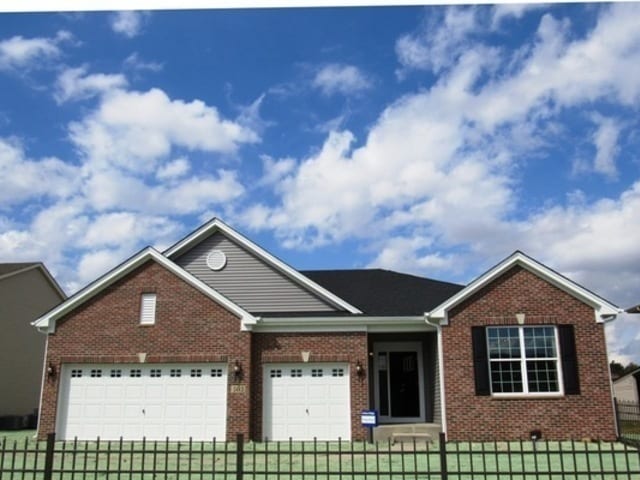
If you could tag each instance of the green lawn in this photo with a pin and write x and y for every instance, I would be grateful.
(326, 460)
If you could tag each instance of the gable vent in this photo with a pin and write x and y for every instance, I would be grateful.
(216, 260)
(148, 309)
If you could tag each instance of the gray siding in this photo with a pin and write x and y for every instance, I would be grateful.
(626, 389)
(248, 281)
(437, 406)
(23, 298)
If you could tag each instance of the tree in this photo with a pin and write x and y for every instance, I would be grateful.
(618, 370)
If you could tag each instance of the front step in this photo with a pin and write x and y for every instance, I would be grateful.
(407, 432)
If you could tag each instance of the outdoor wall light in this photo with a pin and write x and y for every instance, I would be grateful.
(359, 369)
(237, 370)
(51, 370)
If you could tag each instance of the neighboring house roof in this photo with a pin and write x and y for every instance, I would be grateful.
(635, 373)
(10, 269)
(635, 309)
(380, 292)
(47, 321)
(603, 308)
(217, 225)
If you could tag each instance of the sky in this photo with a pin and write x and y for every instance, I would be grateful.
(433, 140)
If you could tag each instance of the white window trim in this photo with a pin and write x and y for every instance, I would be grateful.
(523, 365)
(148, 309)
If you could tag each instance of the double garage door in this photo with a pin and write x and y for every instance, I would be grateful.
(302, 401)
(133, 401)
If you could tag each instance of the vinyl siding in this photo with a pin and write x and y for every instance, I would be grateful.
(248, 281)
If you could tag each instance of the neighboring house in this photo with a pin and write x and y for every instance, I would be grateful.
(635, 309)
(627, 387)
(27, 290)
(216, 336)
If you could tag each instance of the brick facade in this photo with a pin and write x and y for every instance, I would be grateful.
(348, 347)
(189, 327)
(480, 418)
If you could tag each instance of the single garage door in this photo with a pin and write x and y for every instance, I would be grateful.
(306, 401)
(133, 401)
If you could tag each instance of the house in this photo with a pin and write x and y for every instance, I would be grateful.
(635, 309)
(627, 387)
(27, 290)
(216, 336)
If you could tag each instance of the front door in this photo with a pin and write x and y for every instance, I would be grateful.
(399, 382)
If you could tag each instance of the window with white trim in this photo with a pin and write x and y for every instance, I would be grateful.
(148, 309)
(523, 360)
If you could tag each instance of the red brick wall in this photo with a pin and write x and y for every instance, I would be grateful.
(323, 347)
(189, 327)
(471, 417)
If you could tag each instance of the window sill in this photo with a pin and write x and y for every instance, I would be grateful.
(524, 396)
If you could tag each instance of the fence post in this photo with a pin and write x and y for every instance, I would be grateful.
(443, 456)
(239, 456)
(48, 456)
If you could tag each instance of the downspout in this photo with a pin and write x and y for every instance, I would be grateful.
(608, 319)
(44, 374)
(443, 401)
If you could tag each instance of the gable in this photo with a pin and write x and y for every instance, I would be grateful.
(248, 280)
(47, 322)
(603, 309)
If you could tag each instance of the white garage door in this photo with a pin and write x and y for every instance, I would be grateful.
(133, 401)
(306, 401)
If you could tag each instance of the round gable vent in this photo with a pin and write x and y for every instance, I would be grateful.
(216, 260)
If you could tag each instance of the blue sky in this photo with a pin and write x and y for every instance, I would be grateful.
(431, 140)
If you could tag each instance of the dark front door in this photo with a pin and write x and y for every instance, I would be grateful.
(398, 382)
(404, 384)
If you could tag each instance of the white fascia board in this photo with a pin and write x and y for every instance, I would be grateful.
(218, 225)
(47, 321)
(343, 324)
(603, 309)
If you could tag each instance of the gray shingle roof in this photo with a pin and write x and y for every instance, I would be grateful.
(383, 292)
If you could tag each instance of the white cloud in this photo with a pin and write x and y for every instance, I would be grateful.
(114, 189)
(127, 229)
(341, 79)
(505, 11)
(439, 42)
(605, 139)
(133, 130)
(174, 169)
(75, 84)
(23, 53)
(275, 170)
(134, 62)
(127, 23)
(24, 178)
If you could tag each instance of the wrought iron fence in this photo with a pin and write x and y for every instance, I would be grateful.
(628, 418)
(541, 460)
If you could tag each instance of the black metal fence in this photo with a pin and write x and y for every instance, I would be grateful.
(628, 418)
(315, 460)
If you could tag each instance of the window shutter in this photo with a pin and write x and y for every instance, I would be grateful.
(148, 309)
(480, 360)
(569, 360)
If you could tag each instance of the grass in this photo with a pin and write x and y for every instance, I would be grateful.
(331, 460)
(17, 435)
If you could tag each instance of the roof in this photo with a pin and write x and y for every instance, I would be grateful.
(635, 309)
(380, 292)
(604, 310)
(634, 373)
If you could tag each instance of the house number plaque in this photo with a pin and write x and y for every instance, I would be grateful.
(238, 389)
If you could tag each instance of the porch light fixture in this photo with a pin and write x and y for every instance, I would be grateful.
(237, 370)
(359, 369)
(51, 370)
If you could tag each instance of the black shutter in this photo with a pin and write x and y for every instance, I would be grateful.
(569, 360)
(480, 360)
